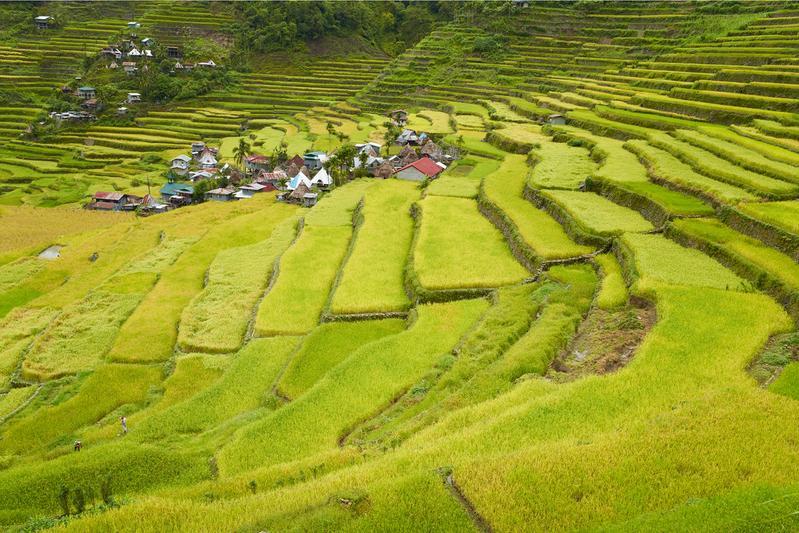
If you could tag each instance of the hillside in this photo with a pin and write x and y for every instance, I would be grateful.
(577, 313)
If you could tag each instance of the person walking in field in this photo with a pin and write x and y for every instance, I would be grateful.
(124, 426)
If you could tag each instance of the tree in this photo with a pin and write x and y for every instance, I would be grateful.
(391, 134)
(240, 153)
(331, 130)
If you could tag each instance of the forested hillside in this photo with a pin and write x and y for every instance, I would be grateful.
(541, 273)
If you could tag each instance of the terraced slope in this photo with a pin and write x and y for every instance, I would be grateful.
(581, 326)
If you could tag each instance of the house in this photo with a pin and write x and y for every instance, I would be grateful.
(180, 164)
(134, 98)
(112, 52)
(407, 137)
(314, 160)
(432, 150)
(122, 111)
(399, 116)
(556, 119)
(296, 160)
(134, 53)
(133, 25)
(274, 178)
(107, 201)
(147, 53)
(302, 195)
(254, 163)
(385, 170)
(208, 64)
(177, 193)
(91, 104)
(130, 68)
(207, 159)
(296, 181)
(197, 148)
(147, 41)
(201, 175)
(369, 148)
(322, 179)
(113, 65)
(420, 170)
(173, 52)
(251, 189)
(220, 195)
(309, 199)
(150, 206)
(87, 92)
(370, 164)
(43, 22)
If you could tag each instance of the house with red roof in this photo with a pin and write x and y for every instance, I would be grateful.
(420, 170)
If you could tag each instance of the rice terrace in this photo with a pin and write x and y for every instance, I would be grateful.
(399, 266)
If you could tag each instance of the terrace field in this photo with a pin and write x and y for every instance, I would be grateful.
(586, 322)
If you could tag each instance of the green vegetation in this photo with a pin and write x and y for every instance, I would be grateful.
(326, 347)
(655, 259)
(305, 277)
(458, 248)
(536, 229)
(372, 278)
(613, 292)
(216, 320)
(560, 166)
(595, 215)
(378, 371)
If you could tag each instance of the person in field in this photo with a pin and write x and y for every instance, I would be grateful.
(124, 426)
(78, 445)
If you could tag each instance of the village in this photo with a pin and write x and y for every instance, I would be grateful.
(198, 175)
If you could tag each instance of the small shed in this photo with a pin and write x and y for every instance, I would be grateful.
(134, 98)
(133, 25)
(173, 52)
(221, 194)
(147, 41)
(556, 119)
(43, 21)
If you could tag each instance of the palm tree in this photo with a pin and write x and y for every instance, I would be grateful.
(240, 152)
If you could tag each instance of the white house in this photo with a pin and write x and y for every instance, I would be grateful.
(207, 159)
(322, 179)
(134, 98)
(210, 64)
(181, 164)
(134, 52)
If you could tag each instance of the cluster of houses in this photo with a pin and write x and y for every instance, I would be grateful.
(298, 180)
